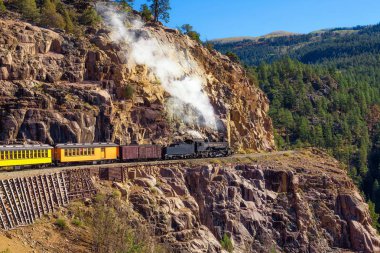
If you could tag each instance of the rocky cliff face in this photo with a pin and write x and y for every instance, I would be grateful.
(55, 88)
(299, 202)
(284, 202)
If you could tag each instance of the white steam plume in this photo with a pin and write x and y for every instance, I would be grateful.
(172, 67)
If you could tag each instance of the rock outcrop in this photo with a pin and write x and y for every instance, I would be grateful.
(294, 203)
(57, 88)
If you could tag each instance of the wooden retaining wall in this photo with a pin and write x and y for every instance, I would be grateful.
(23, 200)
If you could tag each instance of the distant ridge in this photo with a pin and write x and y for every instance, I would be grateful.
(269, 35)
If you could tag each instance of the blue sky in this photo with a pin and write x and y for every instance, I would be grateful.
(231, 18)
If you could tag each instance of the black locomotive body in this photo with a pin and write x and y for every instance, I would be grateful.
(212, 149)
(196, 149)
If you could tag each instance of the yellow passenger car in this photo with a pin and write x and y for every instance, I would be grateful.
(73, 153)
(25, 155)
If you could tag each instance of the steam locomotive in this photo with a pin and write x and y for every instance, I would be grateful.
(20, 156)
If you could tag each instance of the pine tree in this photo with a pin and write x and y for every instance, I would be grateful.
(50, 17)
(374, 215)
(304, 129)
(68, 14)
(69, 25)
(146, 14)
(28, 9)
(160, 9)
(90, 17)
(375, 197)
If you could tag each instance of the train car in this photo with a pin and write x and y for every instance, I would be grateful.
(180, 150)
(140, 152)
(25, 155)
(86, 152)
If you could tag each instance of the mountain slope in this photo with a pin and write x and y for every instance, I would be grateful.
(340, 44)
(58, 88)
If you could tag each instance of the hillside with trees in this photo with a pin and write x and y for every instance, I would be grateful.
(324, 90)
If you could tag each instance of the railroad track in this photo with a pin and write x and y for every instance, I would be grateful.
(34, 172)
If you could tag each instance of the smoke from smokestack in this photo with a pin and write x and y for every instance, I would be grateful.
(172, 67)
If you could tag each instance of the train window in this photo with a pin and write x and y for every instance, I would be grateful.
(102, 149)
(85, 151)
(92, 151)
(46, 153)
(27, 154)
(6, 156)
(1, 155)
(81, 151)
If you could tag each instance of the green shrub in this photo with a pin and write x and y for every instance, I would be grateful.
(226, 243)
(128, 92)
(273, 249)
(77, 222)
(99, 198)
(116, 194)
(90, 17)
(28, 9)
(233, 57)
(2, 7)
(126, 5)
(188, 30)
(60, 223)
